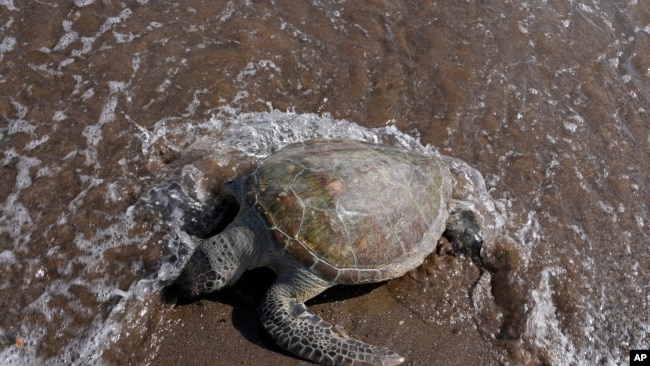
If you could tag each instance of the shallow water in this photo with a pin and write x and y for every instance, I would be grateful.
(100, 101)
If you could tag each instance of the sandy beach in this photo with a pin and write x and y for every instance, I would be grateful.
(224, 329)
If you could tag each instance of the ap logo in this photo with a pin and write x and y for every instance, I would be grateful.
(639, 357)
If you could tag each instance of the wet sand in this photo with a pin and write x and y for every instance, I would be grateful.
(224, 329)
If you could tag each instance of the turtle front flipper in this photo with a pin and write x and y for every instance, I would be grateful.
(303, 333)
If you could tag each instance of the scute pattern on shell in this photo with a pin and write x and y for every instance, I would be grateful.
(353, 212)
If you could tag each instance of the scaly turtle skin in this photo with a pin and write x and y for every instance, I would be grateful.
(322, 213)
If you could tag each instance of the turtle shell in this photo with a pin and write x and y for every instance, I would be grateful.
(352, 212)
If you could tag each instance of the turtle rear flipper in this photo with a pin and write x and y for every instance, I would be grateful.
(296, 329)
(463, 232)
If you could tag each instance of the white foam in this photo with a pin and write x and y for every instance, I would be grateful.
(88, 347)
(88, 94)
(609, 210)
(111, 21)
(93, 133)
(82, 3)
(123, 37)
(543, 327)
(7, 257)
(19, 124)
(227, 12)
(66, 40)
(8, 44)
(31, 145)
(16, 222)
(528, 236)
(571, 127)
(9, 4)
(86, 46)
(135, 62)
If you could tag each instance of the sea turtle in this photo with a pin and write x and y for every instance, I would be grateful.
(327, 212)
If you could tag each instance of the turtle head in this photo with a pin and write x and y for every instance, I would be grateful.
(213, 266)
(197, 277)
(216, 263)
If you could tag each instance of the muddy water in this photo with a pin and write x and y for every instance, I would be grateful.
(102, 100)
